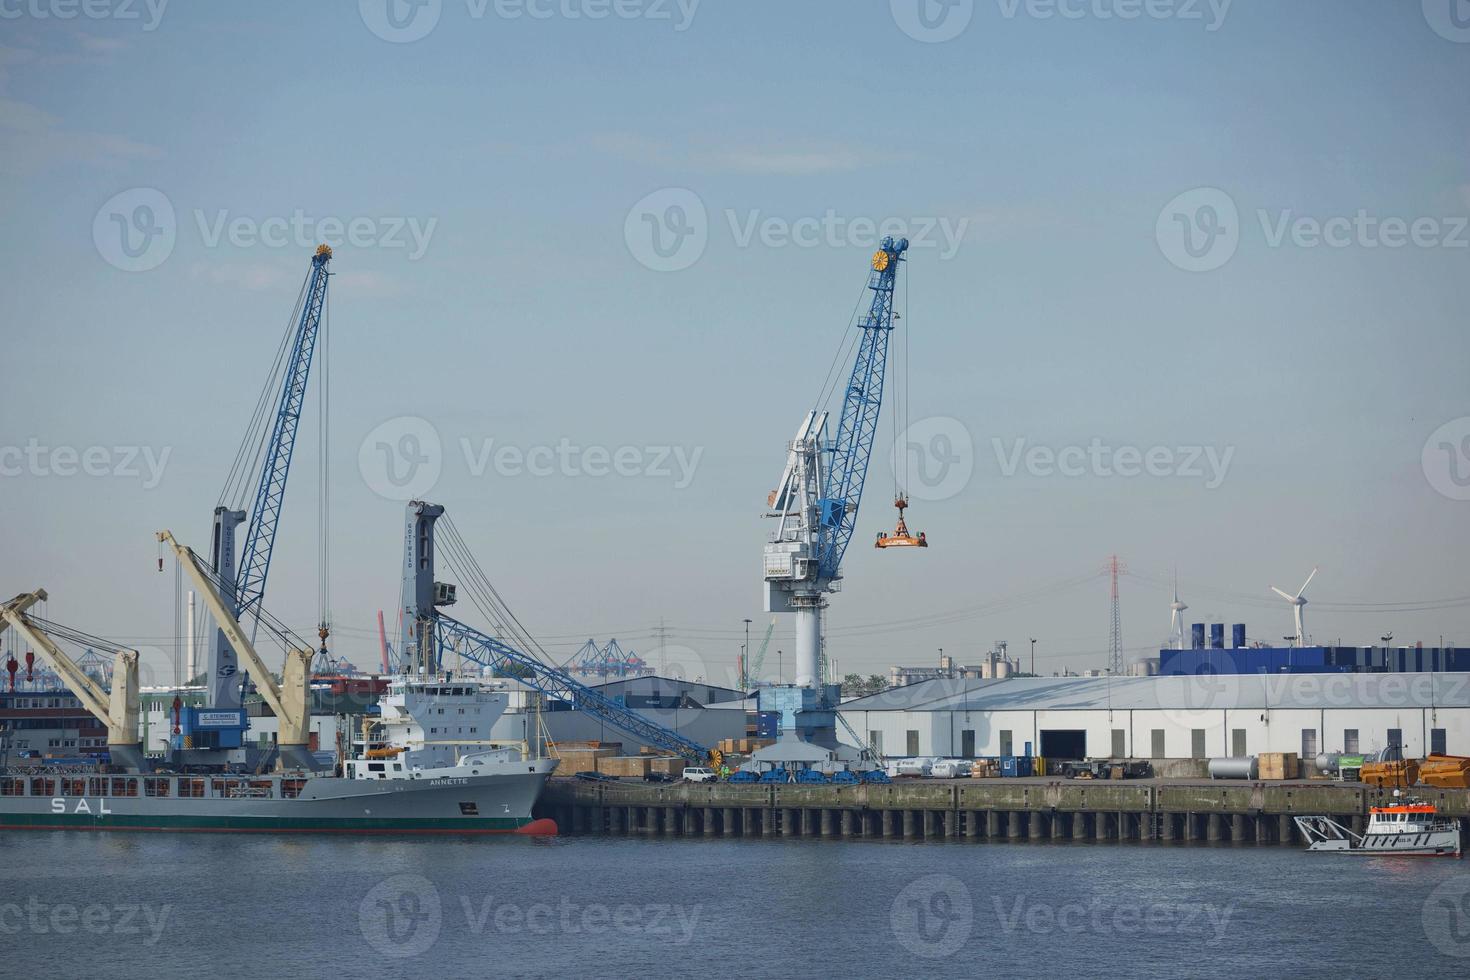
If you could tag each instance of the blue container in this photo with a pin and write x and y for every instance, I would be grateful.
(1007, 765)
(1197, 636)
(1024, 765)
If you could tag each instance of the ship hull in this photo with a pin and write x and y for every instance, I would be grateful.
(1439, 843)
(498, 804)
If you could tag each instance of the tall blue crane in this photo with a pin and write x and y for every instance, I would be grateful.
(244, 591)
(816, 502)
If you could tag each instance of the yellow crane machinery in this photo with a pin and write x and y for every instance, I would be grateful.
(117, 709)
(290, 698)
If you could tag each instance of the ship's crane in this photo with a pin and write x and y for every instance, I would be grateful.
(816, 502)
(118, 708)
(428, 635)
(288, 699)
(244, 591)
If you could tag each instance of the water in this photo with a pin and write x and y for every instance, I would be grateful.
(146, 905)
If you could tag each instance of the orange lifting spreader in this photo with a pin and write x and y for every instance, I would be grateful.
(900, 538)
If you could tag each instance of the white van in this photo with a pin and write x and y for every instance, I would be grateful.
(699, 774)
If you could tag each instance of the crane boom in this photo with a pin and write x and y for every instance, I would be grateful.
(265, 515)
(853, 447)
(816, 503)
(244, 590)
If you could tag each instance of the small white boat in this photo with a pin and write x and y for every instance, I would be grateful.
(1408, 827)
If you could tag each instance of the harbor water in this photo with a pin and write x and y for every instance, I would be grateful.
(80, 904)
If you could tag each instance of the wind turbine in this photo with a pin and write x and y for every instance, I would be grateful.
(1297, 602)
(1176, 618)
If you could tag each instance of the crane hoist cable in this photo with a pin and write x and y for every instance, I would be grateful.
(901, 420)
(324, 480)
(251, 451)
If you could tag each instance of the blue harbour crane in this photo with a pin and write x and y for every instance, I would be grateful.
(815, 505)
(816, 502)
(242, 586)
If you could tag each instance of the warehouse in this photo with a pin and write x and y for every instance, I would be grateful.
(1177, 717)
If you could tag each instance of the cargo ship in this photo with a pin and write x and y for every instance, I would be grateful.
(1408, 827)
(410, 774)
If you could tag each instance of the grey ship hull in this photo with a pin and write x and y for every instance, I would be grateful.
(499, 803)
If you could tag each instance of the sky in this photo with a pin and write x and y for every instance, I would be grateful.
(1186, 284)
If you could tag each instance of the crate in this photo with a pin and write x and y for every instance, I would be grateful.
(575, 760)
(1279, 765)
(624, 765)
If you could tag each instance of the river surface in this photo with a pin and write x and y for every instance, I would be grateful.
(82, 904)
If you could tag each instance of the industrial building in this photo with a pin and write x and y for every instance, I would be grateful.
(704, 713)
(1169, 717)
(996, 664)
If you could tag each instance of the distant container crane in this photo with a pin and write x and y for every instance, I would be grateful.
(609, 661)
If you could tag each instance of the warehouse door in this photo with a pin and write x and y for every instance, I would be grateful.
(1063, 744)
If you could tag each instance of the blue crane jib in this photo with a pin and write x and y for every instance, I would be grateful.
(842, 489)
(244, 590)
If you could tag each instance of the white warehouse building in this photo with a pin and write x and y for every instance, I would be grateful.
(1174, 717)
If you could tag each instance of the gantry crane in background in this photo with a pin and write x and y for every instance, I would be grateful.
(243, 586)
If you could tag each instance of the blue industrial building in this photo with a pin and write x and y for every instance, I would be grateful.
(1216, 658)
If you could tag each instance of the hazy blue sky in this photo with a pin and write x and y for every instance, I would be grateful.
(1037, 156)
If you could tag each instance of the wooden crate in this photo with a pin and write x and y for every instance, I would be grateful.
(624, 765)
(670, 765)
(1278, 765)
(575, 760)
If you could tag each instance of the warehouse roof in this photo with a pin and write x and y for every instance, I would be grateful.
(1198, 692)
